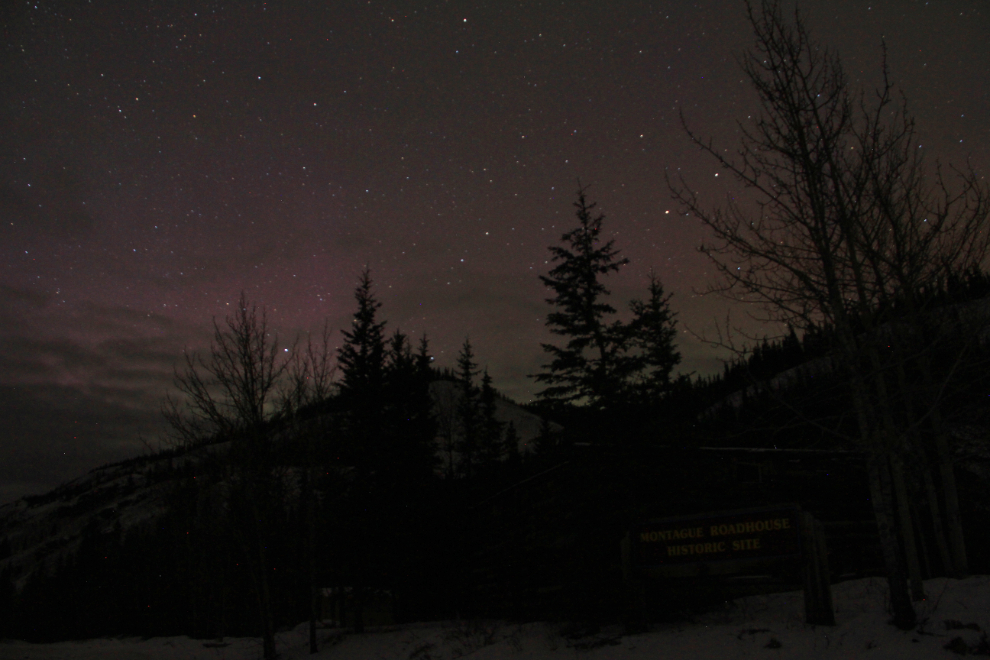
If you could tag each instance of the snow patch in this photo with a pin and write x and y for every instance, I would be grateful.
(956, 614)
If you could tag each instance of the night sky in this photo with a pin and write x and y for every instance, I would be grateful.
(157, 158)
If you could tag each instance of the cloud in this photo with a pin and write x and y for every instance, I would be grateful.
(79, 386)
(53, 433)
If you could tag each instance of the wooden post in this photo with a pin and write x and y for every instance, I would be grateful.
(824, 574)
(632, 587)
(817, 586)
(625, 548)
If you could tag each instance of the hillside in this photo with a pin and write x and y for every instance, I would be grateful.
(41, 530)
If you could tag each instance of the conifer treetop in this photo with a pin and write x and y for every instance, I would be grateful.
(362, 357)
(585, 367)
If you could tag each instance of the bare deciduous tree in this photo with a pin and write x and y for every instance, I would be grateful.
(840, 225)
(236, 394)
(310, 382)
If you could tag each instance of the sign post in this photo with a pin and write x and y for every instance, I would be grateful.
(732, 542)
(817, 587)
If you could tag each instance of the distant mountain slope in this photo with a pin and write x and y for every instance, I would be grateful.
(41, 530)
(446, 394)
(973, 315)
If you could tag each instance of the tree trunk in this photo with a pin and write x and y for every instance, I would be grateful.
(926, 558)
(310, 504)
(931, 495)
(892, 472)
(907, 529)
(314, 595)
(917, 450)
(258, 565)
(265, 603)
(950, 494)
(880, 495)
(359, 607)
(953, 518)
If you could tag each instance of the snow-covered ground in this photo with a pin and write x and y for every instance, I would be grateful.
(956, 613)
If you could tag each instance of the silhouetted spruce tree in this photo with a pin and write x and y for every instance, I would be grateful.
(409, 410)
(424, 360)
(405, 472)
(400, 359)
(492, 447)
(511, 441)
(652, 333)
(362, 367)
(547, 440)
(361, 360)
(390, 423)
(593, 365)
(468, 413)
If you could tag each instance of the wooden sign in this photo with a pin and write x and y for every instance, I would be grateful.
(749, 534)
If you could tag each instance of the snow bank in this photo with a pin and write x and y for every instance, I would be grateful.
(956, 613)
